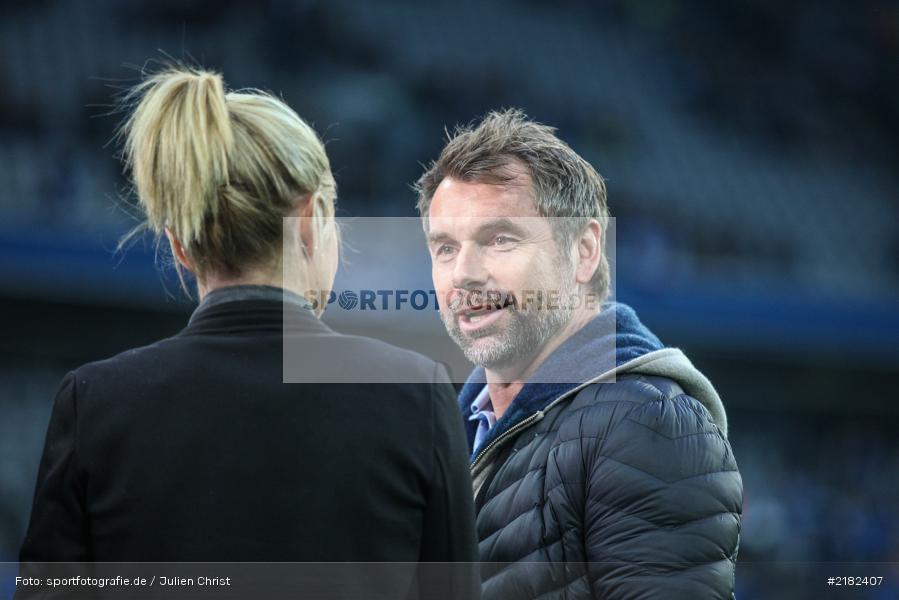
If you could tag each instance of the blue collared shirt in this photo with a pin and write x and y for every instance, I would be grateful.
(482, 411)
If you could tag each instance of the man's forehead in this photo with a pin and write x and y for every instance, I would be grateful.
(455, 198)
(471, 211)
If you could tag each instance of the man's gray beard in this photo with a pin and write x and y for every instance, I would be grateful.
(525, 335)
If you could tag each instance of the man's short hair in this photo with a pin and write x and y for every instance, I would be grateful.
(566, 187)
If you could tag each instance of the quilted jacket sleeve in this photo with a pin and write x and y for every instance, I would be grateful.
(663, 498)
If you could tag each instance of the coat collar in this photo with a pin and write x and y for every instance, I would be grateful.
(243, 308)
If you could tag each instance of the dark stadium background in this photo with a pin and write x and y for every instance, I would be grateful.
(751, 153)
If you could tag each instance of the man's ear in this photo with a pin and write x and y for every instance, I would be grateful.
(589, 252)
(305, 211)
(178, 250)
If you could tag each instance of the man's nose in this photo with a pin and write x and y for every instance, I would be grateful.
(469, 271)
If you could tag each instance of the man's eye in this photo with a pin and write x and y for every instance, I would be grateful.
(501, 240)
(445, 250)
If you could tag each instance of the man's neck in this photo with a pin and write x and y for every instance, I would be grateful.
(504, 384)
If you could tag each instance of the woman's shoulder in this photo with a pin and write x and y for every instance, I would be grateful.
(132, 358)
(357, 359)
(127, 372)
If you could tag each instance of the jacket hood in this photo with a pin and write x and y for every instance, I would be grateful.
(612, 343)
(674, 364)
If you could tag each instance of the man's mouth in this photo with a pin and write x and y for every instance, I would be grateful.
(474, 318)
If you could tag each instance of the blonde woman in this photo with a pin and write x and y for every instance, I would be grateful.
(192, 449)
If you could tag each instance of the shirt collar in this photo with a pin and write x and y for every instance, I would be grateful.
(482, 402)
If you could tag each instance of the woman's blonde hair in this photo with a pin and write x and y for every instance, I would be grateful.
(221, 169)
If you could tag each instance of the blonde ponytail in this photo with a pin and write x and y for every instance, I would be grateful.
(178, 148)
(221, 169)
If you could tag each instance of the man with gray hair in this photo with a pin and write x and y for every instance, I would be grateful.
(597, 452)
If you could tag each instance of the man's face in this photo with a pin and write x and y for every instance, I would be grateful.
(493, 257)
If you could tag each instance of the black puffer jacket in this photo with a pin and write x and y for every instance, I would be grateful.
(612, 490)
(628, 490)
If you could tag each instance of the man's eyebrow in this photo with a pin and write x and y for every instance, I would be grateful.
(487, 225)
(435, 237)
(501, 224)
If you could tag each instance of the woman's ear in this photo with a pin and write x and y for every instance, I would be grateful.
(305, 213)
(178, 250)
